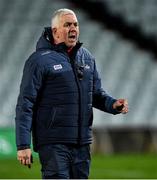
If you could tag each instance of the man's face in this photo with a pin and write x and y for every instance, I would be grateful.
(67, 30)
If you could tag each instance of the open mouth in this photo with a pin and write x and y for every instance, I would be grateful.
(72, 37)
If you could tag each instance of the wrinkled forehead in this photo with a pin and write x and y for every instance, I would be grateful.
(68, 17)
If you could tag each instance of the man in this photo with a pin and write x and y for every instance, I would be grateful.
(60, 85)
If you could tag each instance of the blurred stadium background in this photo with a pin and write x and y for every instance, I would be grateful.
(122, 35)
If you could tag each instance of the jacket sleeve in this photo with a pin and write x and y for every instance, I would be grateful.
(101, 100)
(30, 85)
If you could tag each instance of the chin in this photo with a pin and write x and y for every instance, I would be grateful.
(71, 44)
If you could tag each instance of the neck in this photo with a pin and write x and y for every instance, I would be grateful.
(69, 49)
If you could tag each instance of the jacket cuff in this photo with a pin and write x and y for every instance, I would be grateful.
(114, 111)
(110, 101)
(22, 147)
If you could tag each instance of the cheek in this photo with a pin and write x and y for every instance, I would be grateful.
(63, 35)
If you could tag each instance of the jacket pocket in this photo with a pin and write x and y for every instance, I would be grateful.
(52, 118)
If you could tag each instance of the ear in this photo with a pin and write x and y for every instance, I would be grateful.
(55, 33)
(54, 30)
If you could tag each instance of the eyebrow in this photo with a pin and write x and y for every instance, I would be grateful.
(70, 23)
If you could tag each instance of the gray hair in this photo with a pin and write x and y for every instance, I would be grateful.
(57, 14)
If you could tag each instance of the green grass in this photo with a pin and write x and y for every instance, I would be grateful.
(102, 167)
(124, 166)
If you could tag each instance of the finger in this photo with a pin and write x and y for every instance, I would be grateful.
(125, 105)
(19, 158)
(23, 161)
(125, 110)
(28, 160)
(20, 161)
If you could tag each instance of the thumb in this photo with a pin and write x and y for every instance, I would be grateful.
(118, 105)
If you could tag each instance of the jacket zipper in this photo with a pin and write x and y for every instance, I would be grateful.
(72, 62)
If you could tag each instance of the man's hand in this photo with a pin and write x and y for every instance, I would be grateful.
(25, 157)
(121, 105)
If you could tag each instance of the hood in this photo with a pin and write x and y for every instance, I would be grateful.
(46, 39)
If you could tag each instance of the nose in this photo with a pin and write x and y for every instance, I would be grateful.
(73, 26)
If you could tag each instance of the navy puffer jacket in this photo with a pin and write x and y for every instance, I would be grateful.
(57, 94)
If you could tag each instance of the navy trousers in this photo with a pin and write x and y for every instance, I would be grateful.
(60, 161)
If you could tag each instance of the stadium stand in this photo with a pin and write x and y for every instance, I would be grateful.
(141, 13)
(126, 70)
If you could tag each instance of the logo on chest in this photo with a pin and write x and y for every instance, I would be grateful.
(57, 67)
(87, 66)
